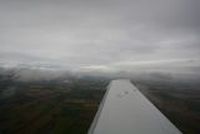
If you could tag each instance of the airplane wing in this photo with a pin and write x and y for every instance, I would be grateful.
(124, 110)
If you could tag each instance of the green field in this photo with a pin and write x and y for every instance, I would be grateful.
(49, 107)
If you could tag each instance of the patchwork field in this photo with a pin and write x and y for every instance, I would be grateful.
(49, 107)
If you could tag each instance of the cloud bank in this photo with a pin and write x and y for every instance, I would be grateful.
(101, 35)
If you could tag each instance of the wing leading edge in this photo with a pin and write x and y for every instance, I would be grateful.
(124, 110)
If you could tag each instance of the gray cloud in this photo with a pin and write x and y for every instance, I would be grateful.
(94, 34)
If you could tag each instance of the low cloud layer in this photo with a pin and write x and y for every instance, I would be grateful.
(101, 35)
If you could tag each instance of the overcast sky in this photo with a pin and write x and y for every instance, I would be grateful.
(100, 34)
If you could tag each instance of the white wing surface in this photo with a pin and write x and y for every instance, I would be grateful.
(124, 110)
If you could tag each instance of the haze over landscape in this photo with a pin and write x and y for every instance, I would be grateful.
(66, 52)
